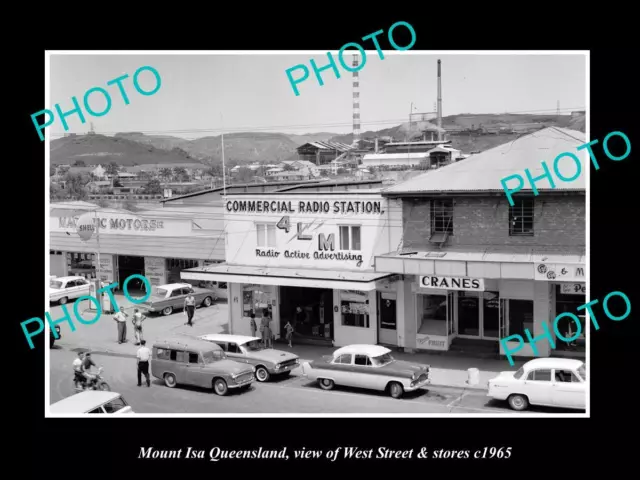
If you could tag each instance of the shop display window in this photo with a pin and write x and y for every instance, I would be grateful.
(355, 309)
(81, 265)
(432, 314)
(520, 317)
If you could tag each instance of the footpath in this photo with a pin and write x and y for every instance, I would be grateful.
(101, 338)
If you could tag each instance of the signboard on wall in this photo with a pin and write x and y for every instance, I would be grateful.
(560, 272)
(452, 283)
(154, 270)
(432, 342)
(573, 288)
(106, 268)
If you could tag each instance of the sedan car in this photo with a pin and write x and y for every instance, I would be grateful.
(63, 289)
(92, 401)
(266, 361)
(550, 382)
(367, 366)
(167, 298)
(191, 361)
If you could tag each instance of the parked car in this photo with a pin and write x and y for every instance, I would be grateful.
(166, 298)
(220, 288)
(551, 382)
(52, 339)
(367, 366)
(246, 349)
(92, 401)
(63, 289)
(190, 361)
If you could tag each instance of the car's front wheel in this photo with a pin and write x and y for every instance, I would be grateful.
(396, 390)
(518, 402)
(170, 380)
(167, 310)
(220, 387)
(262, 374)
(326, 383)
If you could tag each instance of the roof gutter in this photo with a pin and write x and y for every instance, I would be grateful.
(480, 193)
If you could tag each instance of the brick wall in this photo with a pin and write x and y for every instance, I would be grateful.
(559, 222)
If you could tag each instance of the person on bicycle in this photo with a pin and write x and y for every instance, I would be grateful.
(87, 363)
(78, 377)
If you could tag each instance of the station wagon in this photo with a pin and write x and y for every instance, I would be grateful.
(189, 361)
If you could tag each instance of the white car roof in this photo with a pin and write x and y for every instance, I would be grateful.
(173, 286)
(83, 402)
(223, 337)
(370, 350)
(553, 362)
(66, 279)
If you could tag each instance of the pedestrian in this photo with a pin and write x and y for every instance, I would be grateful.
(143, 356)
(252, 324)
(121, 321)
(265, 328)
(138, 318)
(289, 329)
(190, 308)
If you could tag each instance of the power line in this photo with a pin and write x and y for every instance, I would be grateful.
(251, 129)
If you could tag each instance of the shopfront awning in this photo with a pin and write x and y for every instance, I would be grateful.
(286, 277)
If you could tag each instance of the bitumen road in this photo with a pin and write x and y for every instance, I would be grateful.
(291, 395)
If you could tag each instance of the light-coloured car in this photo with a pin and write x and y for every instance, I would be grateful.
(170, 297)
(92, 401)
(63, 289)
(549, 382)
(367, 366)
(246, 349)
(191, 361)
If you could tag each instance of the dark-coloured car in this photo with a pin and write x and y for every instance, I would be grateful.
(170, 297)
(190, 361)
(367, 366)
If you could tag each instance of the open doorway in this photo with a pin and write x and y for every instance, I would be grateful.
(127, 266)
(310, 311)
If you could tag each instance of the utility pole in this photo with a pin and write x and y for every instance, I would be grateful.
(224, 182)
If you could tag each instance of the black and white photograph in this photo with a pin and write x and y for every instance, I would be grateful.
(353, 233)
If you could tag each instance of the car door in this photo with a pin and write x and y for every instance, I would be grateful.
(342, 370)
(195, 371)
(234, 352)
(176, 298)
(180, 362)
(71, 289)
(537, 386)
(84, 287)
(365, 373)
(568, 389)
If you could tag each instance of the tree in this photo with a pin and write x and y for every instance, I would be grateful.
(144, 175)
(214, 170)
(112, 169)
(79, 163)
(153, 187)
(179, 173)
(288, 168)
(166, 173)
(75, 186)
(244, 175)
(52, 170)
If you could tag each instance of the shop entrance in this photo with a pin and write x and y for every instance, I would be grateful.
(313, 320)
(387, 329)
(127, 266)
(568, 298)
(478, 315)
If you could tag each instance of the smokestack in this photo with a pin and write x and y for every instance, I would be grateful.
(439, 101)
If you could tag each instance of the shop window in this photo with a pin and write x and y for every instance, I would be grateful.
(521, 217)
(520, 317)
(350, 238)
(442, 216)
(355, 314)
(266, 234)
(432, 314)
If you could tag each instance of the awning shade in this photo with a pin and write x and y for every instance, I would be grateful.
(286, 277)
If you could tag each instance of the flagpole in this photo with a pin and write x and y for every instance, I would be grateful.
(224, 181)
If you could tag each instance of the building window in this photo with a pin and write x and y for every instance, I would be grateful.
(521, 218)
(350, 238)
(442, 216)
(520, 317)
(266, 234)
(432, 314)
(355, 309)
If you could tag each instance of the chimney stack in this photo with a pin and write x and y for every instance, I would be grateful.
(439, 101)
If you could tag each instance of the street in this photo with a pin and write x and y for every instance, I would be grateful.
(290, 395)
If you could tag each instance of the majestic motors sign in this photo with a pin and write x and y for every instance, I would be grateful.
(115, 223)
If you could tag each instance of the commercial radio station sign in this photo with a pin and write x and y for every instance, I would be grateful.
(289, 207)
(452, 283)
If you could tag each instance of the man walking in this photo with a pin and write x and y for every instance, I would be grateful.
(138, 318)
(190, 308)
(143, 356)
(121, 321)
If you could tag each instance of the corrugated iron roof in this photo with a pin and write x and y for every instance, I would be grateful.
(483, 171)
(326, 145)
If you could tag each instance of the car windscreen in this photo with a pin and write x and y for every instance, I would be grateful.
(55, 284)
(211, 356)
(252, 346)
(382, 359)
(582, 371)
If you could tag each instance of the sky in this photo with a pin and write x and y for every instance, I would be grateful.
(201, 94)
